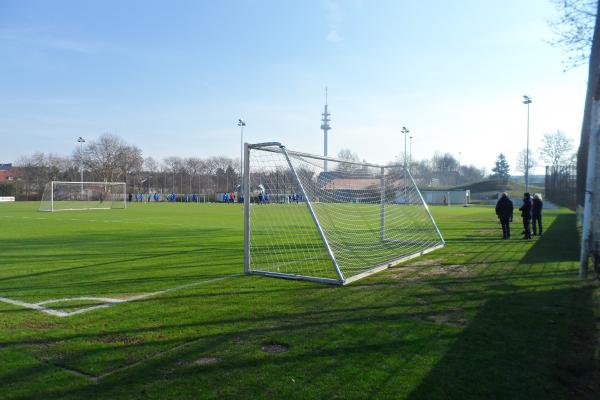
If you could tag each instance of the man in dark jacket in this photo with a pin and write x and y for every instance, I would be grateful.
(526, 214)
(536, 213)
(504, 211)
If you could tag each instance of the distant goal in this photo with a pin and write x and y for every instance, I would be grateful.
(69, 196)
(329, 220)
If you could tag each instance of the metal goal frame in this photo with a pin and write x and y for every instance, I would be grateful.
(342, 279)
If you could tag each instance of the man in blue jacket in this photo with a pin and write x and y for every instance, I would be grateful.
(526, 214)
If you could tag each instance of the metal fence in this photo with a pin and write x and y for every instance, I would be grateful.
(561, 185)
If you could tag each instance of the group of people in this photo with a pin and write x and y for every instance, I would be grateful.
(231, 198)
(531, 212)
(294, 198)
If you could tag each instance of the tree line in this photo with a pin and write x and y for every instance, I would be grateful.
(556, 151)
(441, 170)
(110, 159)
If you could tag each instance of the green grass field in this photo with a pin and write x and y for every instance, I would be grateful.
(480, 318)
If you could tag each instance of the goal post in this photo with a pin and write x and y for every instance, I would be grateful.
(344, 219)
(70, 196)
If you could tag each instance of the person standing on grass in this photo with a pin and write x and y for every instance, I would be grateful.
(504, 211)
(536, 213)
(526, 214)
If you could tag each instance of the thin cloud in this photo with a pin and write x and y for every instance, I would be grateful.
(334, 19)
(334, 36)
(45, 40)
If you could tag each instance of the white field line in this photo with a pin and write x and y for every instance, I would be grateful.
(107, 301)
(116, 221)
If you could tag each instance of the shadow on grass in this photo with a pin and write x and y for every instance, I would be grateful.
(559, 242)
(529, 345)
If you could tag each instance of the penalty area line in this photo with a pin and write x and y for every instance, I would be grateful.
(106, 301)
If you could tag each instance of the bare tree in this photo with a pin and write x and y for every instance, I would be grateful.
(444, 162)
(556, 148)
(470, 173)
(522, 160)
(574, 29)
(130, 161)
(31, 173)
(193, 166)
(101, 157)
(150, 168)
(174, 166)
(39, 168)
(347, 155)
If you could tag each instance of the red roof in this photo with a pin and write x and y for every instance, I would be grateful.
(6, 176)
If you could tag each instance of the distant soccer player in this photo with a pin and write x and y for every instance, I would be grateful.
(526, 215)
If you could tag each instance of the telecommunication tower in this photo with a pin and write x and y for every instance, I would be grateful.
(326, 127)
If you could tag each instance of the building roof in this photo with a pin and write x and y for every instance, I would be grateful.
(5, 167)
(6, 175)
(357, 184)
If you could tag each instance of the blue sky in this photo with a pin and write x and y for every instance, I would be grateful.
(173, 77)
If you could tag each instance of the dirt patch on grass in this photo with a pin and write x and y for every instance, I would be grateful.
(421, 263)
(36, 325)
(451, 317)
(274, 348)
(122, 339)
(421, 301)
(206, 361)
(454, 268)
(444, 270)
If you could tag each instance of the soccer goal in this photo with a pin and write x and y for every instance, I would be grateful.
(63, 196)
(348, 219)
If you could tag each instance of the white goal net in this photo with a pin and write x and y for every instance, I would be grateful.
(335, 225)
(63, 196)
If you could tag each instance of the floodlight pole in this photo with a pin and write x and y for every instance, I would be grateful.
(405, 131)
(246, 190)
(409, 151)
(527, 101)
(81, 141)
(241, 123)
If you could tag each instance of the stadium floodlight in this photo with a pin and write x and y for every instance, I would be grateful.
(81, 141)
(334, 226)
(241, 123)
(527, 101)
(405, 131)
(67, 196)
